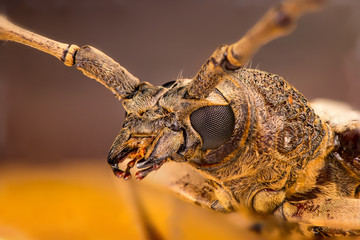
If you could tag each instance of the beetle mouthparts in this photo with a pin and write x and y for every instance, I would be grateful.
(133, 152)
(139, 175)
(143, 173)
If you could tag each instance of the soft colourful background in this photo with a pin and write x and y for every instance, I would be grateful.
(56, 125)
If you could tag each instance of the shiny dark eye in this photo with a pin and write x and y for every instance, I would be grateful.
(215, 124)
(168, 84)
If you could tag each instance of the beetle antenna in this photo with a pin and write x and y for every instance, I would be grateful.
(92, 62)
(277, 22)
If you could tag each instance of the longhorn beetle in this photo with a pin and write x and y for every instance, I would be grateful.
(254, 139)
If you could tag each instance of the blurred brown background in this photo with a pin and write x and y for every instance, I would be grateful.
(52, 117)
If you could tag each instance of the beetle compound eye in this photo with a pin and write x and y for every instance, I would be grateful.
(215, 124)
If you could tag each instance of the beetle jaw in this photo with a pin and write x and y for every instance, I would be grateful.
(145, 152)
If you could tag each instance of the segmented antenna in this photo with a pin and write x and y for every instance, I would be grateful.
(277, 22)
(92, 62)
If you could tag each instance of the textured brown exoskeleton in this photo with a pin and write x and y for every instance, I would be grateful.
(253, 137)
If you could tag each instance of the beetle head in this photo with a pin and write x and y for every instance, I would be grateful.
(162, 123)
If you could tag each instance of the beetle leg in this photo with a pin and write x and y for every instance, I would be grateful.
(331, 232)
(191, 185)
(266, 200)
(336, 213)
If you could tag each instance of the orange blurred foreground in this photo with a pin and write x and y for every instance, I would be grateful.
(85, 201)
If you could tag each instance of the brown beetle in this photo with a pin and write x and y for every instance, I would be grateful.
(254, 137)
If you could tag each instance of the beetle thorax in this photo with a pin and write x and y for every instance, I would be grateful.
(274, 140)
